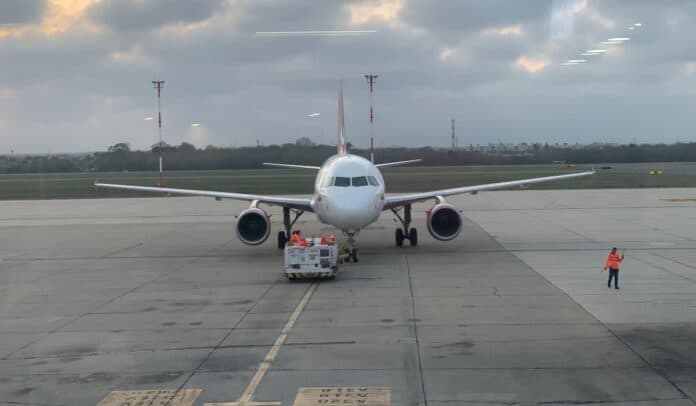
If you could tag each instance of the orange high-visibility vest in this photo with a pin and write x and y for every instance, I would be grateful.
(614, 261)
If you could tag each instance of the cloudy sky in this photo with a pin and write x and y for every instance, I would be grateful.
(76, 74)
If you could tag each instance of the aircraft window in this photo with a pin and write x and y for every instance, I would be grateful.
(360, 181)
(372, 181)
(341, 181)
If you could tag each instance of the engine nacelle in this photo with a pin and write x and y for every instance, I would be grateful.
(444, 222)
(253, 226)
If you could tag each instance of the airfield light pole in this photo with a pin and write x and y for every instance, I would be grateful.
(371, 82)
(158, 85)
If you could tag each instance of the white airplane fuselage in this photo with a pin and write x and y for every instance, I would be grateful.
(348, 192)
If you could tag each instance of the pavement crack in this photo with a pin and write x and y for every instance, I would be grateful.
(124, 249)
(225, 337)
(414, 323)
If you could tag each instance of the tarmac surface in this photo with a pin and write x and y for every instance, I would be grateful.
(159, 295)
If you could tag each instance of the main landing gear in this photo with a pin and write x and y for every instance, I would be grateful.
(405, 233)
(284, 236)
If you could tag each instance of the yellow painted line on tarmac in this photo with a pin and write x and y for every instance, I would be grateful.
(248, 395)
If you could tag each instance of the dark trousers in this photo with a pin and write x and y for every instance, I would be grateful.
(613, 273)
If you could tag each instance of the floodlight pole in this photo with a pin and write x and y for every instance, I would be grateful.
(371, 82)
(158, 85)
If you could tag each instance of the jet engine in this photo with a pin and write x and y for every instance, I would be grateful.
(253, 226)
(444, 222)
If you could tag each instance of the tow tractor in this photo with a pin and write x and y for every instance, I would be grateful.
(314, 257)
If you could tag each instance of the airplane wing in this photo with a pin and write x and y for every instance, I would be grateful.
(277, 165)
(398, 163)
(400, 200)
(295, 203)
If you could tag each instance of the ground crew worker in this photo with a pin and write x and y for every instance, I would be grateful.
(295, 239)
(298, 240)
(613, 262)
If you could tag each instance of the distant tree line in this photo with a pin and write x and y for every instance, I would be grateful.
(120, 157)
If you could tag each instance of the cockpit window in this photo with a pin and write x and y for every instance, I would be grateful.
(341, 181)
(360, 181)
(326, 181)
(372, 181)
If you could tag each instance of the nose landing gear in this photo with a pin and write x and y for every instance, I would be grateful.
(406, 232)
(352, 251)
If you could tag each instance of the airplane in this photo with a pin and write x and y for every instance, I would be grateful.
(349, 194)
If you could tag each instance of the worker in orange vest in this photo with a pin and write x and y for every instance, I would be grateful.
(296, 239)
(613, 263)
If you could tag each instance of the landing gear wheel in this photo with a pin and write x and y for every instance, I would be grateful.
(348, 257)
(400, 237)
(354, 255)
(413, 237)
(282, 239)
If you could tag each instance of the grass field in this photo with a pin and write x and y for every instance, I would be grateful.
(281, 181)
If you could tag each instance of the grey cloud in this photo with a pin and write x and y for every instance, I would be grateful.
(288, 15)
(21, 11)
(70, 93)
(450, 20)
(134, 15)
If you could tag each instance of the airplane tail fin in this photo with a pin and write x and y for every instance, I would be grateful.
(342, 148)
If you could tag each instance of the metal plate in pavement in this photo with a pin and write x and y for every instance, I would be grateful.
(344, 396)
(151, 397)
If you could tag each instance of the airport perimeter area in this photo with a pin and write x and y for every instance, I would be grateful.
(158, 294)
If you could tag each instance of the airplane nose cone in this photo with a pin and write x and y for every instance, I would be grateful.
(348, 211)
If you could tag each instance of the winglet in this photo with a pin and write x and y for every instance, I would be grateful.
(341, 148)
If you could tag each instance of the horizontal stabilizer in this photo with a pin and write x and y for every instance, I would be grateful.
(398, 163)
(291, 166)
